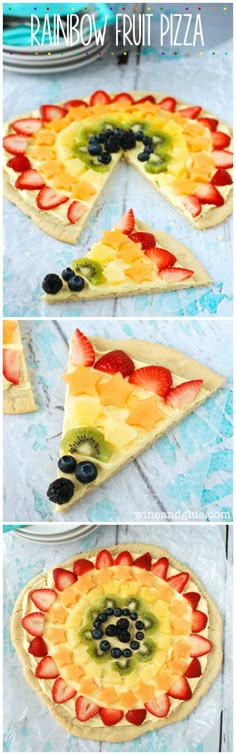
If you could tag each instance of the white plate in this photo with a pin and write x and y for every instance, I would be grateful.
(49, 60)
(56, 53)
(49, 533)
(46, 69)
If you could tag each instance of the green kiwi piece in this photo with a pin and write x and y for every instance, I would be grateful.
(89, 269)
(87, 441)
(86, 634)
(157, 163)
(150, 622)
(146, 651)
(133, 604)
(123, 665)
(96, 654)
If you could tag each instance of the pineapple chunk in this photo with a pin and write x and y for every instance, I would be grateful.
(85, 412)
(114, 271)
(119, 433)
(148, 595)
(75, 166)
(102, 253)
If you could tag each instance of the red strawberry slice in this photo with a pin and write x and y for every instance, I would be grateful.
(141, 237)
(126, 223)
(223, 159)
(29, 179)
(61, 691)
(11, 365)
(74, 103)
(181, 689)
(15, 144)
(33, 623)
(124, 559)
(19, 163)
(192, 598)
(153, 378)
(81, 566)
(148, 98)
(159, 707)
(221, 178)
(136, 717)
(27, 126)
(84, 709)
(124, 98)
(48, 199)
(100, 98)
(50, 112)
(75, 211)
(220, 140)
(208, 194)
(169, 103)
(176, 274)
(63, 578)
(199, 645)
(110, 716)
(160, 568)
(103, 559)
(199, 621)
(193, 205)
(210, 123)
(144, 561)
(46, 668)
(184, 394)
(194, 669)
(161, 257)
(43, 598)
(115, 361)
(82, 350)
(178, 581)
(38, 647)
(190, 112)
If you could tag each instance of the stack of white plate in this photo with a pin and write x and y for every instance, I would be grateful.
(55, 533)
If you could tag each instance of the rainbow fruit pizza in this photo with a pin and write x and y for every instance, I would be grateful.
(17, 392)
(118, 642)
(58, 158)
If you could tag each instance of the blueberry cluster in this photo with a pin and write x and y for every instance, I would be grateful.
(61, 491)
(52, 283)
(109, 141)
(127, 631)
(148, 148)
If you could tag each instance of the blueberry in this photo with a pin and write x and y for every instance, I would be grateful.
(139, 135)
(139, 624)
(122, 623)
(101, 138)
(97, 623)
(139, 635)
(133, 615)
(127, 140)
(94, 139)
(125, 612)
(94, 148)
(147, 140)
(67, 464)
(102, 617)
(113, 143)
(148, 149)
(97, 634)
(117, 611)
(134, 645)
(108, 132)
(116, 652)
(67, 274)
(143, 156)
(86, 472)
(52, 283)
(76, 283)
(109, 611)
(127, 653)
(111, 630)
(124, 636)
(104, 645)
(104, 158)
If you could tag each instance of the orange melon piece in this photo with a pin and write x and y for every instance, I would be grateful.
(41, 153)
(69, 596)
(130, 252)
(177, 666)
(9, 331)
(85, 583)
(44, 137)
(165, 591)
(181, 649)
(82, 380)
(202, 167)
(128, 699)
(185, 186)
(108, 695)
(87, 686)
(58, 124)
(161, 608)
(51, 168)
(140, 271)
(179, 625)
(144, 413)
(123, 574)
(115, 239)
(145, 692)
(73, 672)
(143, 577)
(102, 576)
(178, 607)
(194, 128)
(55, 635)
(165, 680)
(62, 181)
(57, 615)
(115, 391)
(83, 190)
(63, 656)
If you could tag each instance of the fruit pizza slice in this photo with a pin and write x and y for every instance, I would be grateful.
(118, 642)
(130, 259)
(17, 392)
(121, 396)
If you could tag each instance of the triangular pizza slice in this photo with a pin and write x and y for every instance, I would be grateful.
(17, 391)
(130, 259)
(121, 396)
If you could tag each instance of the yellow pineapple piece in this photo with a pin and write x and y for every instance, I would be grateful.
(159, 658)
(85, 412)
(148, 595)
(101, 253)
(73, 637)
(119, 433)
(112, 588)
(115, 271)
(75, 167)
(163, 641)
(164, 626)
(161, 609)
(129, 589)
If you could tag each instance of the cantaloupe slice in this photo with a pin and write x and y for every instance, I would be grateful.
(57, 614)
(63, 656)
(114, 391)
(140, 271)
(144, 413)
(82, 380)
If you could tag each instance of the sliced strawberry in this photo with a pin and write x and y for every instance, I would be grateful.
(29, 179)
(74, 103)
(193, 205)
(210, 123)
(15, 144)
(50, 112)
(38, 647)
(176, 274)
(84, 709)
(136, 717)
(148, 98)
(33, 623)
(75, 211)
(159, 707)
(181, 689)
(81, 566)
(208, 194)
(100, 98)
(141, 237)
(61, 691)
(11, 365)
(124, 559)
(43, 598)
(27, 126)
(184, 394)
(169, 103)
(115, 361)
(144, 561)
(220, 140)
(190, 112)
(48, 199)
(152, 378)
(103, 559)
(63, 578)
(46, 668)
(199, 621)
(19, 163)
(192, 598)
(221, 178)
(194, 669)
(126, 223)
(223, 159)
(82, 350)
(110, 716)
(199, 645)
(160, 568)
(178, 581)
(124, 98)
(161, 257)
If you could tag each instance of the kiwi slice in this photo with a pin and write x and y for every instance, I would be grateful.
(124, 665)
(89, 269)
(161, 140)
(86, 441)
(150, 621)
(157, 163)
(86, 634)
(146, 651)
(133, 604)
(97, 655)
